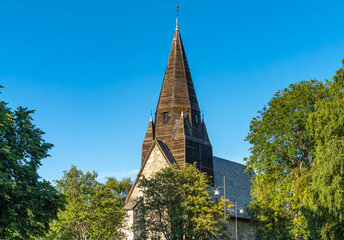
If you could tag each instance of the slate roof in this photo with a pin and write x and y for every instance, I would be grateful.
(238, 183)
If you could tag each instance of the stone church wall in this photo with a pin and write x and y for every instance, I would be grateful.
(246, 229)
(129, 221)
(155, 162)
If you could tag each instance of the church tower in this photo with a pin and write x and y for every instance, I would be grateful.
(178, 122)
(177, 134)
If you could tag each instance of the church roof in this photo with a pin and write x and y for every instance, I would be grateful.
(238, 183)
(177, 90)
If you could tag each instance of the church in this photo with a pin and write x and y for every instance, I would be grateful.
(178, 135)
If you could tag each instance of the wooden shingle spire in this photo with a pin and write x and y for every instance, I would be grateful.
(178, 120)
(147, 142)
(177, 89)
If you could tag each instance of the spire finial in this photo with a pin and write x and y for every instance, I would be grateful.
(151, 118)
(177, 13)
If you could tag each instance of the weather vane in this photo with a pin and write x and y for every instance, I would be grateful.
(177, 13)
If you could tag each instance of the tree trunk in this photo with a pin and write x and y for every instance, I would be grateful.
(295, 218)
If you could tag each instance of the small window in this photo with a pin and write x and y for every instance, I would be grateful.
(196, 118)
(165, 116)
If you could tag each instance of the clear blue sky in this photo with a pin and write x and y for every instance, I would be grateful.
(93, 70)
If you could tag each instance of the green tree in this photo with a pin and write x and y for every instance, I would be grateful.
(324, 197)
(93, 210)
(27, 204)
(281, 155)
(176, 205)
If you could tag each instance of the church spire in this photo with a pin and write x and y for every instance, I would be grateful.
(177, 121)
(177, 90)
(178, 118)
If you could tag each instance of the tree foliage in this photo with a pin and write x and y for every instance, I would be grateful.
(282, 153)
(324, 197)
(93, 210)
(27, 204)
(176, 205)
